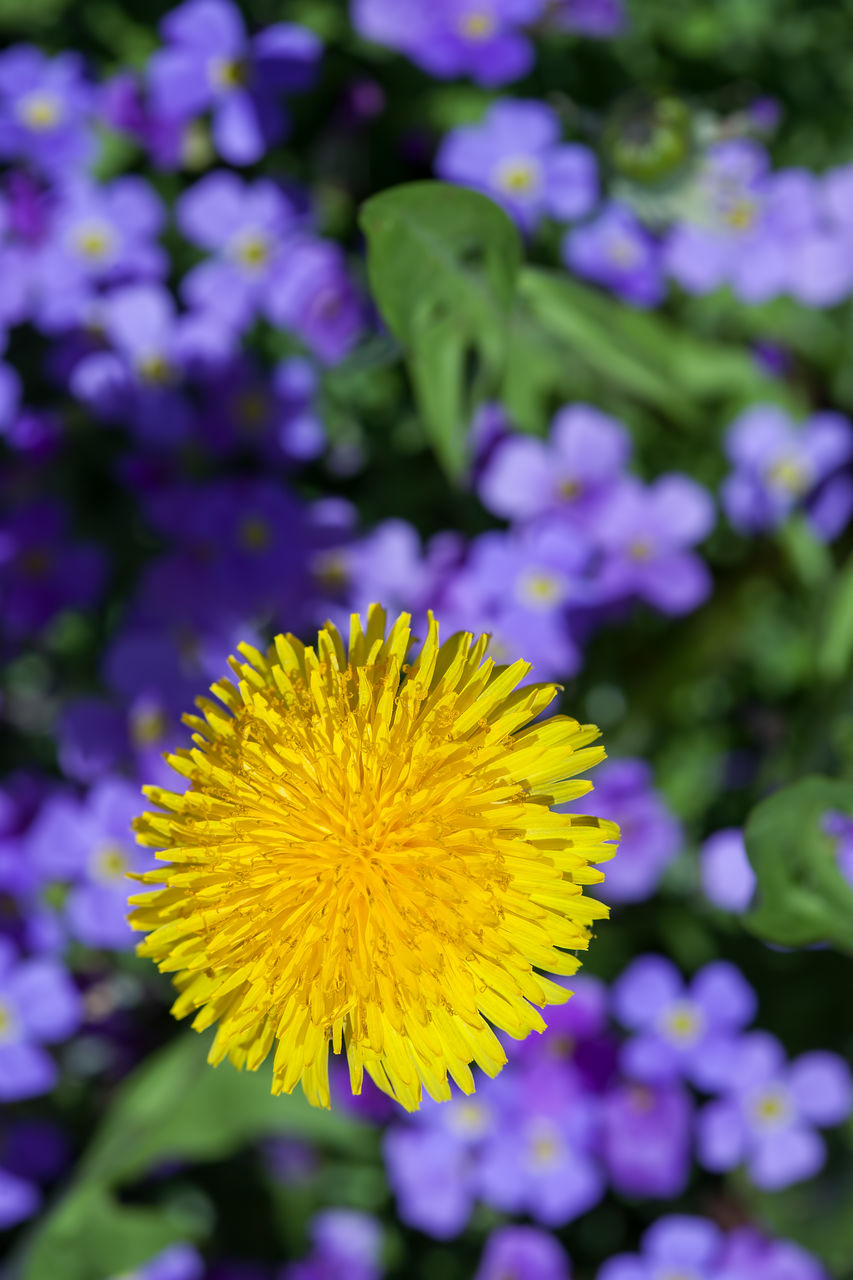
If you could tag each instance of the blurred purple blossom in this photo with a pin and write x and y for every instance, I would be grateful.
(728, 880)
(647, 1132)
(211, 64)
(769, 1110)
(524, 1253)
(39, 1005)
(616, 251)
(46, 107)
(651, 835)
(516, 156)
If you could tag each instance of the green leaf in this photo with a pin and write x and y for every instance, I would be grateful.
(177, 1107)
(174, 1107)
(568, 337)
(91, 1236)
(803, 897)
(836, 650)
(442, 263)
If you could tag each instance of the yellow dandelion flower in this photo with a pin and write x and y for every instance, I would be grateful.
(366, 858)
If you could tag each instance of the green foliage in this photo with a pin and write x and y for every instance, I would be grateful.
(803, 897)
(174, 1108)
(443, 263)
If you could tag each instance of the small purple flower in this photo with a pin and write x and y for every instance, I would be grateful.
(779, 466)
(90, 846)
(100, 236)
(430, 1173)
(840, 828)
(542, 1157)
(451, 38)
(45, 110)
(42, 570)
(243, 226)
(769, 1110)
(312, 294)
(748, 1254)
(345, 1242)
(523, 1253)
(616, 251)
(646, 534)
(646, 1139)
(728, 880)
(570, 473)
(674, 1246)
(20, 1199)
(274, 417)
(598, 19)
(178, 1262)
(211, 64)
(515, 156)
(676, 1026)
(651, 835)
(39, 1005)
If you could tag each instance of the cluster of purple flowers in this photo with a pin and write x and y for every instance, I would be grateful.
(486, 40)
(585, 1107)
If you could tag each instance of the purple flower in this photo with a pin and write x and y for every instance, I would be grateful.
(646, 534)
(243, 227)
(45, 110)
(178, 1262)
(42, 570)
(524, 1253)
(840, 828)
(779, 466)
(576, 1035)
(345, 1243)
(123, 105)
(615, 251)
(651, 835)
(139, 380)
(598, 19)
(90, 846)
(19, 1200)
(450, 38)
(748, 1254)
(673, 1246)
(38, 1005)
(274, 416)
(516, 586)
(430, 1173)
(728, 880)
(312, 295)
(646, 1139)
(542, 1157)
(515, 156)
(100, 235)
(769, 1110)
(676, 1026)
(570, 473)
(211, 64)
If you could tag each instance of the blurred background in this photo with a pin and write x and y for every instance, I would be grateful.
(535, 313)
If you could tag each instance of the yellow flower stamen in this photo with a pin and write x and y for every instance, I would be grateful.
(366, 858)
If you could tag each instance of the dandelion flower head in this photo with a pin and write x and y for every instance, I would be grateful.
(366, 859)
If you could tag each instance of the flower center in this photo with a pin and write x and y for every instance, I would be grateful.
(541, 589)
(40, 111)
(561, 1047)
(469, 1120)
(683, 1022)
(771, 1108)
(519, 176)
(569, 489)
(109, 863)
(478, 25)
(254, 534)
(7, 1022)
(155, 370)
(229, 73)
(252, 250)
(741, 214)
(622, 251)
(331, 571)
(790, 475)
(251, 411)
(148, 725)
(93, 241)
(35, 563)
(640, 549)
(545, 1149)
